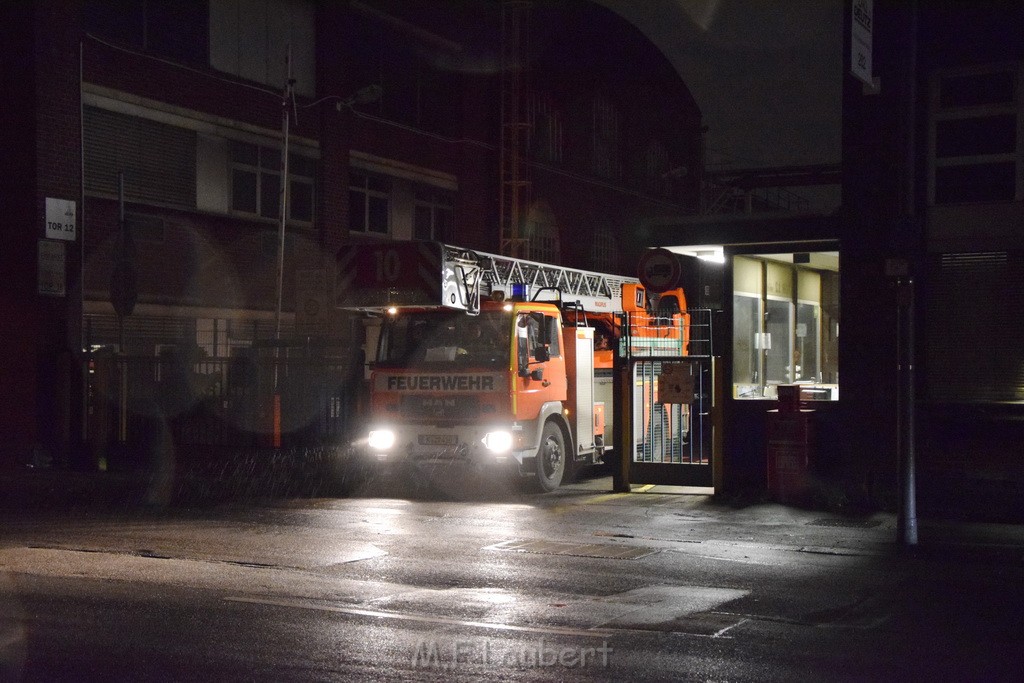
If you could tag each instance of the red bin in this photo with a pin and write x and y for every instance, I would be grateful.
(790, 441)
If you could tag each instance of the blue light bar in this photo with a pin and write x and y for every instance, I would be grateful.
(520, 291)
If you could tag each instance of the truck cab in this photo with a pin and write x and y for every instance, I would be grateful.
(448, 386)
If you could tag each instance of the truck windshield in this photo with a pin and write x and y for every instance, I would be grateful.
(433, 337)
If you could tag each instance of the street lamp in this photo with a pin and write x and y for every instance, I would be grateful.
(364, 95)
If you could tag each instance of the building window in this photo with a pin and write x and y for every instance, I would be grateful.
(410, 62)
(654, 167)
(655, 160)
(975, 151)
(176, 29)
(256, 182)
(301, 183)
(604, 252)
(606, 139)
(786, 325)
(433, 215)
(213, 337)
(251, 39)
(158, 160)
(546, 129)
(369, 204)
(542, 233)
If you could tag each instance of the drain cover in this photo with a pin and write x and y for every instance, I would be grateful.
(600, 550)
(846, 523)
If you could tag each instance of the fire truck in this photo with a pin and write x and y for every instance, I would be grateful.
(493, 360)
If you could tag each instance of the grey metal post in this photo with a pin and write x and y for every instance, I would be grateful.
(285, 118)
(622, 409)
(906, 522)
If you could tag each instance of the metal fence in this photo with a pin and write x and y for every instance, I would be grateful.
(671, 365)
(250, 400)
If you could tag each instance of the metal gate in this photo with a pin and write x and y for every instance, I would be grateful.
(672, 397)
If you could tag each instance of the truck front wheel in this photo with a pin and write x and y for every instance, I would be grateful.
(550, 458)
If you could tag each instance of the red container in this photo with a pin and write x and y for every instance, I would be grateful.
(790, 440)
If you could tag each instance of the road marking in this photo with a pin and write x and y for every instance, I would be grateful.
(719, 557)
(595, 632)
(379, 614)
(563, 508)
(607, 551)
(721, 632)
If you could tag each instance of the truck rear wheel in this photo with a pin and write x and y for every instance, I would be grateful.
(550, 458)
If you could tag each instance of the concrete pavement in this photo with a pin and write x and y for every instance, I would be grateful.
(64, 492)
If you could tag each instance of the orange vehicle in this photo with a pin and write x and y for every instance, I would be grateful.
(494, 360)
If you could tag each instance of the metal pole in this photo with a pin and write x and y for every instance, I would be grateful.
(622, 408)
(122, 366)
(285, 117)
(86, 339)
(285, 100)
(121, 254)
(906, 521)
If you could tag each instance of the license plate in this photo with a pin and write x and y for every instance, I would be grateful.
(439, 439)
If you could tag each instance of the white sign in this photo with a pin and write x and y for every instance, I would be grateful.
(60, 219)
(860, 40)
(313, 303)
(51, 268)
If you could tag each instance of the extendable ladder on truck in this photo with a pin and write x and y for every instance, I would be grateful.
(376, 276)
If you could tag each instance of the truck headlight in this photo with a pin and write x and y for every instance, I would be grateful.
(498, 442)
(381, 439)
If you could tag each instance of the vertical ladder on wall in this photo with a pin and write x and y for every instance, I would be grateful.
(514, 175)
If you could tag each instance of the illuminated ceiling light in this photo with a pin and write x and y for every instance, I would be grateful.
(711, 255)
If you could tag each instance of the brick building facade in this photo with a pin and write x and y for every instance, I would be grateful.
(181, 104)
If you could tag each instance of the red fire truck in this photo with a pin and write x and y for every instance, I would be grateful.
(496, 360)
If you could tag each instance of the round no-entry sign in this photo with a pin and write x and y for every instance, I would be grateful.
(659, 270)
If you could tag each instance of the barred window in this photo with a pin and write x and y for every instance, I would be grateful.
(655, 161)
(604, 252)
(546, 129)
(542, 231)
(606, 139)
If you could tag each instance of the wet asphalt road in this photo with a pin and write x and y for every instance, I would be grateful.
(402, 581)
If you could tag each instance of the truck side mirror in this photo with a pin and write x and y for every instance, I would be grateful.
(537, 374)
(542, 354)
(523, 357)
